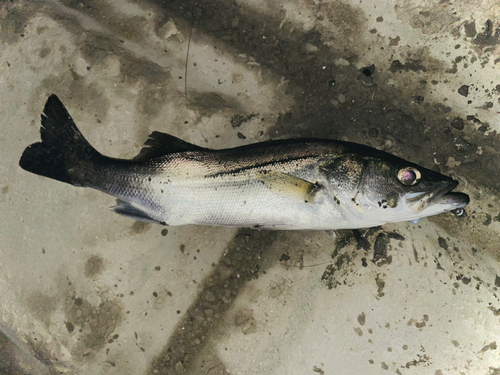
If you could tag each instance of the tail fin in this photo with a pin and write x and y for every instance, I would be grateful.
(63, 148)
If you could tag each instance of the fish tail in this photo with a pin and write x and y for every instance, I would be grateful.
(63, 152)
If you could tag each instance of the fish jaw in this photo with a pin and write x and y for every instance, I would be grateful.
(447, 202)
(437, 201)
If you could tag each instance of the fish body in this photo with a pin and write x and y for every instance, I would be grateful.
(289, 184)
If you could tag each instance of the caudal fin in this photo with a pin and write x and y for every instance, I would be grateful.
(63, 148)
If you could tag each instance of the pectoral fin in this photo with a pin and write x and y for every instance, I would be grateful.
(287, 185)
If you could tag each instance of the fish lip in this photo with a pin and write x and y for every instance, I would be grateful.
(442, 196)
(441, 192)
(432, 195)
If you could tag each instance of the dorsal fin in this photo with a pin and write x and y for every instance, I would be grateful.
(160, 144)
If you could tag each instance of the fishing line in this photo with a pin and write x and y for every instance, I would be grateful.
(187, 59)
(309, 265)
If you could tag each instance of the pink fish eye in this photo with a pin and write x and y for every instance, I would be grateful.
(409, 176)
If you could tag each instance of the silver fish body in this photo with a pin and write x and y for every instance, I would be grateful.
(259, 186)
(295, 184)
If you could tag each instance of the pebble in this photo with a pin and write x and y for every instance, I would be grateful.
(179, 367)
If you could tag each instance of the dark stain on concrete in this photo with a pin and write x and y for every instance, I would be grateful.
(41, 306)
(152, 99)
(458, 123)
(497, 281)
(240, 264)
(333, 274)
(415, 253)
(380, 247)
(464, 90)
(494, 310)
(362, 319)
(410, 65)
(470, 29)
(442, 243)
(91, 324)
(131, 28)
(44, 52)
(380, 286)
(74, 93)
(238, 120)
(94, 266)
(396, 236)
(491, 346)
(438, 265)
(487, 220)
(15, 16)
(342, 240)
(209, 103)
(362, 240)
(284, 257)
(140, 227)
(69, 326)
(489, 37)
(380, 256)
(134, 68)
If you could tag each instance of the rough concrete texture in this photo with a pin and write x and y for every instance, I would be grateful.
(85, 291)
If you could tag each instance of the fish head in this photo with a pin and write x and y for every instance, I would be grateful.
(377, 188)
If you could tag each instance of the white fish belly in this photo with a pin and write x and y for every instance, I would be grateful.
(246, 203)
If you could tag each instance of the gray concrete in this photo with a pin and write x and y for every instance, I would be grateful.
(85, 291)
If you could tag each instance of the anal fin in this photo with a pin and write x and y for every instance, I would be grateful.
(126, 209)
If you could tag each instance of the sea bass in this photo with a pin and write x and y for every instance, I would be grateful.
(313, 184)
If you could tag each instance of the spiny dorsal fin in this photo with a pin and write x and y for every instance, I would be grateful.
(288, 185)
(160, 144)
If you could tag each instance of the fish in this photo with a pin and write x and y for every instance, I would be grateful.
(295, 184)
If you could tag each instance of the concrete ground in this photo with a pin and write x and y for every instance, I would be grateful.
(85, 291)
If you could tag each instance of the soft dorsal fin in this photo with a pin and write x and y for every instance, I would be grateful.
(160, 144)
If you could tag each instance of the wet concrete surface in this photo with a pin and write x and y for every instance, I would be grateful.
(86, 291)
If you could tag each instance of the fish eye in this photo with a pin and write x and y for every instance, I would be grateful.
(409, 176)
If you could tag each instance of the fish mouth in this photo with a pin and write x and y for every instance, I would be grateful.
(441, 199)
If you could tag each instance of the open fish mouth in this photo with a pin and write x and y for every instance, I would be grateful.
(441, 199)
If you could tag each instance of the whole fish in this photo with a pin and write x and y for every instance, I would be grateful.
(289, 184)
